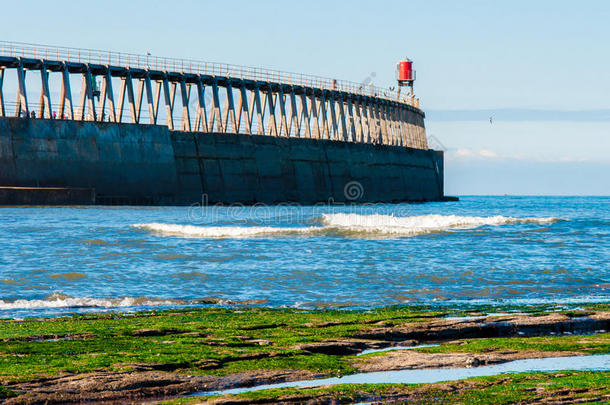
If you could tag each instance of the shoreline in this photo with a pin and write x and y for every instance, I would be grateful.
(166, 355)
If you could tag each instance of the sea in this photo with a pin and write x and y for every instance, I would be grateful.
(476, 251)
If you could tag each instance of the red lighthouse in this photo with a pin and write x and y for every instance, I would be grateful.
(405, 75)
(405, 72)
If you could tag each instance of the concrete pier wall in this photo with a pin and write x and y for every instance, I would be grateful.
(148, 164)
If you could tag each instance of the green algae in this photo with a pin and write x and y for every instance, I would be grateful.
(220, 341)
(500, 389)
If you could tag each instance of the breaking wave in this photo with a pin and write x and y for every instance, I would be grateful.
(416, 225)
(347, 224)
(64, 301)
(222, 231)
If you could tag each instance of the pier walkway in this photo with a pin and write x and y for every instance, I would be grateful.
(212, 97)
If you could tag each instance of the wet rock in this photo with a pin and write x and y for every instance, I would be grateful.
(490, 327)
(473, 362)
(338, 348)
(156, 332)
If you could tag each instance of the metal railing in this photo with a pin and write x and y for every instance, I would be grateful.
(26, 50)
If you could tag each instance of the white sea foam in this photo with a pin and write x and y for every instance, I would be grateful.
(64, 301)
(346, 224)
(416, 225)
(222, 231)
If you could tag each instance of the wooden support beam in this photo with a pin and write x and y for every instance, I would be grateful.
(87, 103)
(169, 95)
(230, 116)
(157, 99)
(272, 121)
(259, 111)
(22, 99)
(294, 114)
(358, 124)
(366, 126)
(185, 91)
(374, 121)
(383, 120)
(2, 108)
(392, 124)
(412, 132)
(344, 134)
(315, 127)
(399, 121)
(45, 94)
(366, 122)
(66, 95)
(282, 108)
(122, 92)
(403, 127)
(127, 89)
(350, 120)
(131, 99)
(392, 134)
(412, 136)
(242, 108)
(107, 94)
(152, 112)
(408, 128)
(83, 98)
(304, 117)
(251, 105)
(396, 125)
(333, 117)
(324, 115)
(139, 98)
(216, 116)
(201, 118)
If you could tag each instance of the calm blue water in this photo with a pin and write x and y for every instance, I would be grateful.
(478, 250)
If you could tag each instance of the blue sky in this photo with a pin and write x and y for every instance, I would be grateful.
(507, 60)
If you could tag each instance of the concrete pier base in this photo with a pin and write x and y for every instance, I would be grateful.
(46, 196)
(149, 164)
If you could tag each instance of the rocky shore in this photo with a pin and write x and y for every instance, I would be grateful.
(168, 355)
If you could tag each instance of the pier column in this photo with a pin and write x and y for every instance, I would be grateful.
(201, 117)
(107, 94)
(87, 103)
(230, 114)
(45, 94)
(169, 95)
(185, 92)
(259, 111)
(66, 94)
(304, 117)
(22, 99)
(333, 116)
(294, 114)
(324, 116)
(216, 116)
(282, 107)
(242, 109)
(315, 133)
(2, 109)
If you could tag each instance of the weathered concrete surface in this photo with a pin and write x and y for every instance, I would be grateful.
(46, 196)
(128, 163)
(132, 162)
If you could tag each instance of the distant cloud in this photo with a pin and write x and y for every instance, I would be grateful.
(466, 155)
(516, 114)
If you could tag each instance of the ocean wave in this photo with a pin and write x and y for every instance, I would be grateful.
(64, 301)
(222, 231)
(416, 225)
(347, 224)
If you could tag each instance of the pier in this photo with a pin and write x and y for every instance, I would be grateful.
(212, 97)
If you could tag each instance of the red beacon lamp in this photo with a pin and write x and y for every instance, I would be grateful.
(405, 75)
